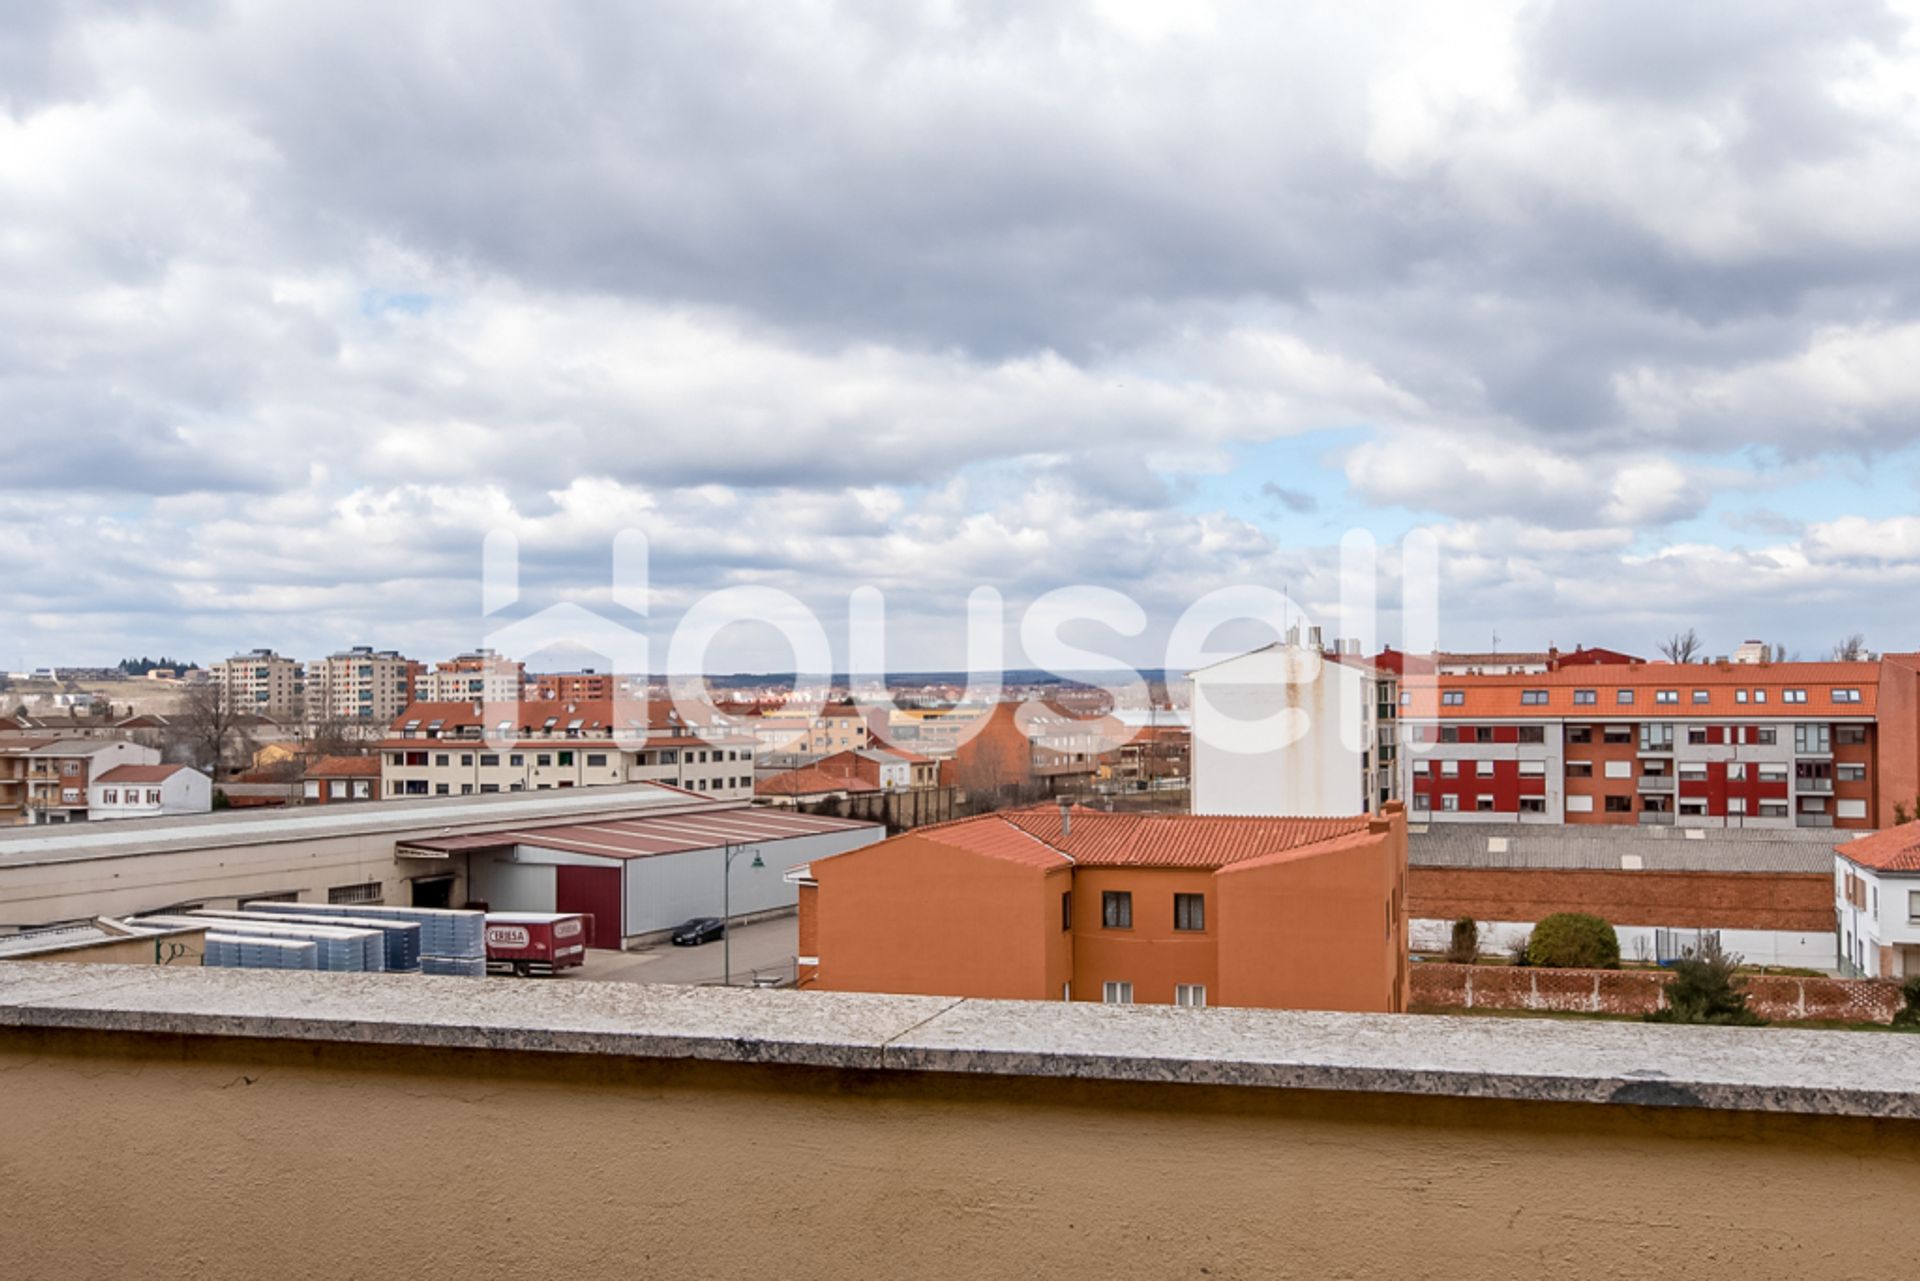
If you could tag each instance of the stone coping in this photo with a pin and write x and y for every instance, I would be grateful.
(1768, 1070)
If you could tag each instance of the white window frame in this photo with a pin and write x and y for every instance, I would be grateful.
(1190, 996)
(1116, 992)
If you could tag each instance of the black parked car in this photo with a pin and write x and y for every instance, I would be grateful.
(701, 929)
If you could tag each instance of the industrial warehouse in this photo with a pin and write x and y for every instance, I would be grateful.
(638, 858)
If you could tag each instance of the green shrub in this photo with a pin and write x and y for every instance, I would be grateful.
(1464, 947)
(1705, 988)
(1574, 941)
(1908, 1015)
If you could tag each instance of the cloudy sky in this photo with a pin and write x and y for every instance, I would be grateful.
(1620, 300)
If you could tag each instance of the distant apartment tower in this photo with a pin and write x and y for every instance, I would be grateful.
(263, 683)
(586, 686)
(481, 676)
(1291, 729)
(360, 684)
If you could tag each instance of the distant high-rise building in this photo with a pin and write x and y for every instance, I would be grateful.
(360, 684)
(263, 683)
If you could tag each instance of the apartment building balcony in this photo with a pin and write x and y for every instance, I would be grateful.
(1817, 785)
(1656, 782)
(1101, 1131)
(1656, 818)
(1812, 820)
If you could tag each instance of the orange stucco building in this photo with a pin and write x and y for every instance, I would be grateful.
(1050, 904)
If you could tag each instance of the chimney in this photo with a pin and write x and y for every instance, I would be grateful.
(1066, 816)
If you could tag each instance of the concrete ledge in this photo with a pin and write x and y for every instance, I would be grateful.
(1762, 1070)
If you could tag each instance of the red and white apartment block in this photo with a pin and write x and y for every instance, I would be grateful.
(1693, 745)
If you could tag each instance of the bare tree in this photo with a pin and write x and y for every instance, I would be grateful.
(1779, 654)
(208, 732)
(1682, 647)
(1850, 650)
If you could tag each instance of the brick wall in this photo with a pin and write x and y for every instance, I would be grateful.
(1777, 998)
(1795, 902)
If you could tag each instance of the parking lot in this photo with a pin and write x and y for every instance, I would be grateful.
(766, 947)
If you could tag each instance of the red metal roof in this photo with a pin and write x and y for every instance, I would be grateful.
(1895, 850)
(1094, 838)
(644, 837)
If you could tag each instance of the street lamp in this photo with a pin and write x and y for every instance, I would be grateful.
(731, 852)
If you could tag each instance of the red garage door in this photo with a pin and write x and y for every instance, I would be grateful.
(595, 891)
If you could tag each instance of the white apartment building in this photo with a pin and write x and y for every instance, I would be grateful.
(263, 683)
(1876, 888)
(478, 677)
(148, 791)
(447, 750)
(360, 684)
(1289, 730)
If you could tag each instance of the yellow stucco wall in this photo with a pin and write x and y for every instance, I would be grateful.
(159, 1156)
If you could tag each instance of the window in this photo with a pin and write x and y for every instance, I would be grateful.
(1702, 696)
(1846, 695)
(1793, 695)
(442, 789)
(1666, 696)
(153, 796)
(544, 758)
(1619, 805)
(1117, 993)
(1422, 769)
(1533, 769)
(365, 892)
(1736, 771)
(1696, 735)
(1656, 738)
(1850, 773)
(1579, 769)
(1450, 803)
(1533, 698)
(1580, 734)
(1533, 734)
(1189, 911)
(1066, 909)
(1739, 695)
(1192, 996)
(1693, 771)
(1449, 734)
(1759, 695)
(1617, 734)
(1116, 910)
(1765, 735)
(1484, 734)
(1619, 769)
(441, 758)
(1736, 805)
(596, 760)
(1579, 805)
(489, 758)
(1450, 769)
(1484, 769)
(1533, 804)
(1850, 735)
(111, 796)
(1422, 804)
(1913, 906)
(516, 759)
(1811, 738)
(566, 758)
(1773, 809)
(1452, 698)
(1483, 804)
(1623, 697)
(1586, 697)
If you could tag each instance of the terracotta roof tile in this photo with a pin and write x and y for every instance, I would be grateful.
(1095, 838)
(1895, 850)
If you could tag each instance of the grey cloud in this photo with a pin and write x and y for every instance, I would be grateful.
(1297, 501)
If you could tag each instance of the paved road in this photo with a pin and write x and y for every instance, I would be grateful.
(765, 945)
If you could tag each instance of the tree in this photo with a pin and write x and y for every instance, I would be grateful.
(1682, 647)
(1574, 941)
(1464, 947)
(1850, 650)
(1908, 1015)
(209, 732)
(1706, 988)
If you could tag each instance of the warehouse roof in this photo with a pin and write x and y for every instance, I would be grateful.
(1604, 848)
(646, 837)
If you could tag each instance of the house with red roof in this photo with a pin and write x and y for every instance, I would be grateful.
(333, 779)
(1876, 888)
(148, 791)
(1064, 903)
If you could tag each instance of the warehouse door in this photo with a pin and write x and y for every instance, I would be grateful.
(595, 891)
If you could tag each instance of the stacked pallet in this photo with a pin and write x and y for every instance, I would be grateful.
(452, 942)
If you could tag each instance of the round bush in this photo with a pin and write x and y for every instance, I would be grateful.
(1574, 941)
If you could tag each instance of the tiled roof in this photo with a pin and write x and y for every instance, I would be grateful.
(1499, 696)
(344, 767)
(807, 782)
(1895, 850)
(1095, 838)
(139, 773)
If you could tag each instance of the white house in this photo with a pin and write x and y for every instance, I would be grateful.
(148, 791)
(1288, 730)
(1876, 888)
